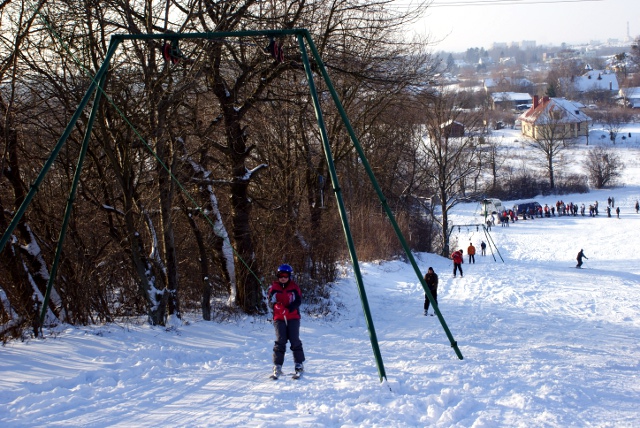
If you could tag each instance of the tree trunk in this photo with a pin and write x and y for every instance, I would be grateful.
(24, 259)
(552, 183)
(220, 245)
(204, 269)
(151, 291)
(166, 195)
(445, 224)
(250, 296)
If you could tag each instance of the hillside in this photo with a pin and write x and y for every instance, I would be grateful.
(544, 344)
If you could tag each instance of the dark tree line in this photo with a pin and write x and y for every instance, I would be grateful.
(203, 172)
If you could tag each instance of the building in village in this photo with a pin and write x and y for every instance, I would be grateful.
(556, 118)
(509, 100)
(630, 96)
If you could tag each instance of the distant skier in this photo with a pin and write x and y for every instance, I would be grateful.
(579, 258)
(637, 207)
(471, 251)
(618, 212)
(456, 256)
(431, 279)
(483, 248)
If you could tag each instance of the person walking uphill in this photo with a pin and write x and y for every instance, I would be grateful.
(284, 298)
(579, 258)
(471, 251)
(456, 256)
(431, 279)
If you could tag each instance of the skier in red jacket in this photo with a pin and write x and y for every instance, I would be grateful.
(285, 298)
(457, 258)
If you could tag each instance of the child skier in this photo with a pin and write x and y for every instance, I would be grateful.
(285, 298)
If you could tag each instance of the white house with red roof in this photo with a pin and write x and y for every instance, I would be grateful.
(554, 116)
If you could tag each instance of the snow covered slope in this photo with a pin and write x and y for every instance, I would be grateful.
(544, 345)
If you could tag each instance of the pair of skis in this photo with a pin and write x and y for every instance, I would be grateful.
(296, 375)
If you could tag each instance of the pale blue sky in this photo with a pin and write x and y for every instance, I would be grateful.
(461, 24)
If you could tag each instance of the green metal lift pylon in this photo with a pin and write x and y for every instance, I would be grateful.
(302, 36)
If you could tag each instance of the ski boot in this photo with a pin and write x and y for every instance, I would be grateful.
(277, 371)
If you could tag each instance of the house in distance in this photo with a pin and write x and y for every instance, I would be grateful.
(555, 118)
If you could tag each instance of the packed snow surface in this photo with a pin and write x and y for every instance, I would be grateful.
(544, 344)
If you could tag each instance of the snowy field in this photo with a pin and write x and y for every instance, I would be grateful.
(544, 345)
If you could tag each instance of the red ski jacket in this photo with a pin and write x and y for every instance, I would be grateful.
(285, 300)
(456, 257)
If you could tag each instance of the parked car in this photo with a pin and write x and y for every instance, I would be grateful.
(527, 209)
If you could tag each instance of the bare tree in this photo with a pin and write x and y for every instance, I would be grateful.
(448, 158)
(491, 159)
(603, 166)
(207, 117)
(552, 135)
(242, 78)
(561, 78)
(22, 262)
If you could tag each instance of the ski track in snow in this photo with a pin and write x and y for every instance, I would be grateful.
(544, 345)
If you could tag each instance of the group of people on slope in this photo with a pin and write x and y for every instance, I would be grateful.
(505, 216)
(458, 256)
(285, 298)
(431, 278)
(572, 209)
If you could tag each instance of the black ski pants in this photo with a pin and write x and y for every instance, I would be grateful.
(427, 302)
(457, 266)
(287, 331)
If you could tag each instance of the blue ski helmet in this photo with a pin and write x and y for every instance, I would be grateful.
(285, 268)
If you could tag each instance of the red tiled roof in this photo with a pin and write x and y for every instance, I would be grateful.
(540, 113)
